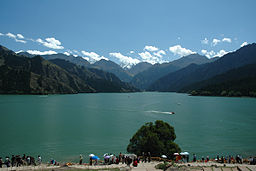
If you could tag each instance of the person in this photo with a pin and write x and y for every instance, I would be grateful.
(202, 158)
(32, 161)
(237, 159)
(229, 159)
(28, 160)
(13, 160)
(1, 162)
(18, 161)
(117, 160)
(120, 156)
(91, 161)
(123, 159)
(81, 159)
(149, 157)
(53, 162)
(135, 162)
(129, 161)
(222, 159)
(7, 161)
(207, 158)
(144, 157)
(24, 157)
(194, 158)
(39, 159)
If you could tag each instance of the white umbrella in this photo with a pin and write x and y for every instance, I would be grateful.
(176, 154)
(91, 155)
(184, 153)
(164, 156)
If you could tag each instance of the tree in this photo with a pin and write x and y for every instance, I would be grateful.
(154, 138)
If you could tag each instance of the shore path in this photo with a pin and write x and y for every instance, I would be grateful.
(210, 166)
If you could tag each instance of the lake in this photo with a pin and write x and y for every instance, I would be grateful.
(64, 126)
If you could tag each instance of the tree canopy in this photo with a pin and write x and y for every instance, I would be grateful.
(154, 138)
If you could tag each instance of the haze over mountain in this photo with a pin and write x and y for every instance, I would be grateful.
(193, 73)
(22, 75)
(76, 60)
(147, 77)
(142, 66)
(114, 68)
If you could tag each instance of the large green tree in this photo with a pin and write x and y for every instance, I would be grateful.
(154, 138)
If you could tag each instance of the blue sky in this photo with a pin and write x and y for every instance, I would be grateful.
(127, 31)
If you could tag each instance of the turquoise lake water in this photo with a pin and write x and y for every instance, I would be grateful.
(64, 126)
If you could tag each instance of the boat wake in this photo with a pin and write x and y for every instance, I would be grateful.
(155, 111)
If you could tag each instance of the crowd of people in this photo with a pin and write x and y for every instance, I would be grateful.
(17, 160)
(129, 159)
(227, 159)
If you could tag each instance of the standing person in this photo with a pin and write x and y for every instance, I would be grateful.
(129, 161)
(218, 158)
(143, 157)
(39, 159)
(123, 159)
(222, 159)
(207, 158)
(194, 158)
(229, 159)
(24, 157)
(120, 156)
(81, 159)
(18, 161)
(13, 160)
(203, 159)
(149, 157)
(90, 160)
(7, 161)
(28, 160)
(1, 162)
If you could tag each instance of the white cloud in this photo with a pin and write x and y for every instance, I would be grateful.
(208, 54)
(66, 53)
(148, 57)
(36, 52)
(226, 39)
(1, 34)
(211, 53)
(21, 41)
(205, 41)
(160, 53)
(131, 51)
(150, 48)
(221, 53)
(93, 57)
(244, 44)
(12, 36)
(86, 58)
(215, 42)
(50, 43)
(20, 36)
(178, 50)
(125, 61)
(19, 51)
